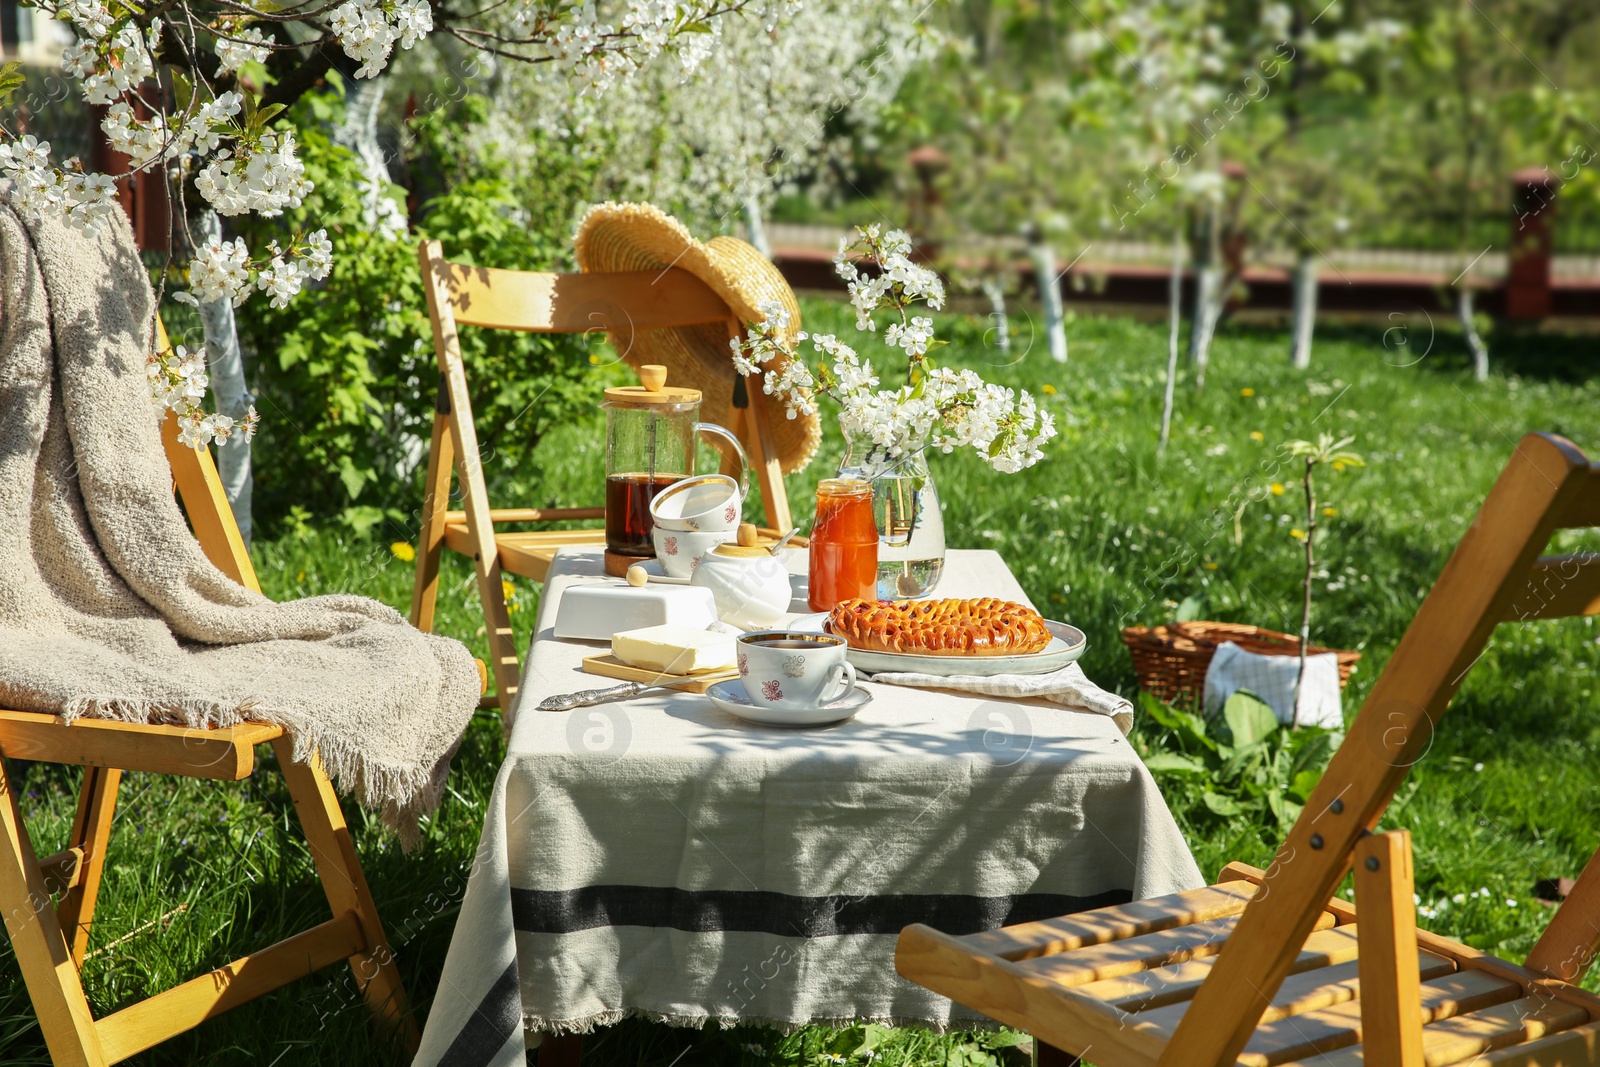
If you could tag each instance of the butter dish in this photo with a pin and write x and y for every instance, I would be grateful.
(593, 612)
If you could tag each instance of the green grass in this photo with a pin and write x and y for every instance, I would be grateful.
(1104, 533)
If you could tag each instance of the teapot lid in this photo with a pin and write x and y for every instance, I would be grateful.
(747, 548)
(652, 391)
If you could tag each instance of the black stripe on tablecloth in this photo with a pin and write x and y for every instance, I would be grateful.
(497, 1016)
(703, 911)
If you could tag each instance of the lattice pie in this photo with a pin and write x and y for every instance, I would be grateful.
(986, 626)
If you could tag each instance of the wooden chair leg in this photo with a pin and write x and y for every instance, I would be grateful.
(41, 947)
(560, 1050)
(1386, 939)
(322, 821)
(435, 502)
(91, 832)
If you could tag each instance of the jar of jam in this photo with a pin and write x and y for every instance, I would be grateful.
(844, 544)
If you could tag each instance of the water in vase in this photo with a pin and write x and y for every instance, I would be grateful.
(910, 535)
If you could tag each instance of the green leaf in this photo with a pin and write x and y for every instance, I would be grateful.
(1189, 727)
(1227, 807)
(1284, 810)
(1189, 610)
(182, 90)
(1250, 718)
(11, 79)
(1172, 763)
(1302, 785)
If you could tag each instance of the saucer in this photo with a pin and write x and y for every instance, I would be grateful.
(731, 697)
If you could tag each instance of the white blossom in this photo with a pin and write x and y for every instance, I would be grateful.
(220, 270)
(243, 45)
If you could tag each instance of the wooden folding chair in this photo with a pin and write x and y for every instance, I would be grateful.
(1267, 967)
(50, 938)
(463, 295)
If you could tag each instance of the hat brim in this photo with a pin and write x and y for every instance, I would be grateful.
(633, 237)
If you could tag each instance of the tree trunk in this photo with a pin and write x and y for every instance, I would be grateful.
(1044, 272)
(229, 394)
(1305, 311)
(1208, 295)
(1469, 330)
(359, 132)
(994, 289)
(754, 226)
(1175, 293)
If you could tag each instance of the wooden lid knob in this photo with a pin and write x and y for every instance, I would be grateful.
(653, 376)
(747, 535)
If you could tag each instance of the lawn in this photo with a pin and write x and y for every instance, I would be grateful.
(1103, 534)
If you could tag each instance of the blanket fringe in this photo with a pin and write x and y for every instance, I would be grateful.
(400, 793)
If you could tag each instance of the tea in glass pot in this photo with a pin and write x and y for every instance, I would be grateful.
(651, 430)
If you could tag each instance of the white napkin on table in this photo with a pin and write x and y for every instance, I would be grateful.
(1069, 687)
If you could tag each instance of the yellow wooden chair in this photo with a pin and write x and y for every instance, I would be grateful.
(463, 295)
(50, 937)
(1268, 967)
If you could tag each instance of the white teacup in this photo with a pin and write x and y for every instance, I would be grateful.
(702, 503)
(794, 670)
(680, 551)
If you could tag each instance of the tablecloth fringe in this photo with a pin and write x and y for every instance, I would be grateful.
(588, 1024)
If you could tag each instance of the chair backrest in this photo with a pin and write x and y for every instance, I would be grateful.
(194, 473)
(1496, 574)
(619, 303)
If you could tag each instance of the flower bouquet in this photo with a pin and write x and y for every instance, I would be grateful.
(889, 428)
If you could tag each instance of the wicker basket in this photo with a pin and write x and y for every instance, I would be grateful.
(1171, 661)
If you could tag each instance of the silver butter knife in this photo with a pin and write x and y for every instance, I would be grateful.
(625, 691)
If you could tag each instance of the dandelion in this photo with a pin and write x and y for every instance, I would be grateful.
(1330, 512)
(1047, 389)
(1257, 435)
(507, 590)
(1277, 488)
(403, 551)
(1298, 535)
(1211, 566)
(1247, 391)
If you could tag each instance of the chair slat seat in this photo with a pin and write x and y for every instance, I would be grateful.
(223, 753)
(1463, 1039)
(1148, 979)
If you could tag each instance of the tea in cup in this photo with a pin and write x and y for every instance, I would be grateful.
(794, 670)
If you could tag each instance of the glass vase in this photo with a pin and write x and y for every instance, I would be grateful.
(905, 505)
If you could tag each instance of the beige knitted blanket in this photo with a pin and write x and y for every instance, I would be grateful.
(108, 607)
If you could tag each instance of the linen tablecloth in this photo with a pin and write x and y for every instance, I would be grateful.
(661, 858)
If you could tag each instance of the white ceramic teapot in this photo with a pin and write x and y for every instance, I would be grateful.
(749, 583)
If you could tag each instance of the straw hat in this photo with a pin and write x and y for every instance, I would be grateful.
(625, 237)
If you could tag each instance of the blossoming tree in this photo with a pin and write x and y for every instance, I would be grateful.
(191, 90)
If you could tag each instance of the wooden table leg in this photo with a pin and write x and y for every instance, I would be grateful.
(560, 1050)
(1045, 1056)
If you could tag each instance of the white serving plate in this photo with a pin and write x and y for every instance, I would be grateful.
(1066, 645)
(731, 697)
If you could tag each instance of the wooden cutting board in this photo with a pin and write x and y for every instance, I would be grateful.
(699, 682)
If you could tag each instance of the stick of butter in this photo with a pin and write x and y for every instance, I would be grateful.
(673, 649)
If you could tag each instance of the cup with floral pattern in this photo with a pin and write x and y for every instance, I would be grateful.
(703, 503)
(680, 551)
(794, 670)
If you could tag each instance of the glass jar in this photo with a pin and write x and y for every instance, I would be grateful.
(905, 505)
(844, 544)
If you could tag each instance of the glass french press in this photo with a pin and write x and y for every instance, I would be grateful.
(651, 431)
